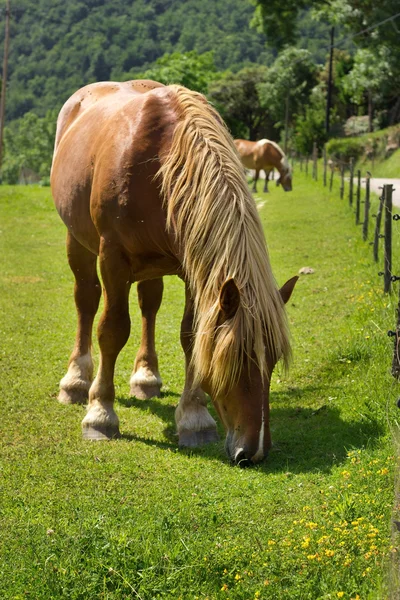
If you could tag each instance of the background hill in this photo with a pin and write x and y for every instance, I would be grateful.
(58, 46)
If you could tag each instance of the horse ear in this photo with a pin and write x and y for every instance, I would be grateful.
(229, 299)
(287, 289)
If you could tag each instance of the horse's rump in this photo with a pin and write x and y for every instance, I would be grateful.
(110, 137)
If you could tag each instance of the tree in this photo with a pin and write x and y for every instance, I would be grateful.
(190, 69)
(28, 144)
(278, 21)
(367, 78)
(287, 86)
(236, 97)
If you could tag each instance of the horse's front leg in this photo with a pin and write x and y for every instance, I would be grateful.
(101, 421)
(146, 381)
(195, 425)
(74, 386)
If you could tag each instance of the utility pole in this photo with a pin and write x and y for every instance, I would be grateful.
(4, 79)
(329, 92)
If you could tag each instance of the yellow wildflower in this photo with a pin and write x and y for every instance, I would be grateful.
(224, 588)
(340, 594)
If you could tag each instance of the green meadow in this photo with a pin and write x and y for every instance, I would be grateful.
(139, 518)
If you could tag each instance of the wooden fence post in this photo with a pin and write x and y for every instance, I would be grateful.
(358, 197)
(378, 226)
(332, 173)
(325, 165)
(342, 180)
(388, 238)
(315, 158)
(396, 350)
(307, 164)
(351, 181)
(366, 206)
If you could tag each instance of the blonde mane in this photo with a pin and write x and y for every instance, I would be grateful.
(216, 223)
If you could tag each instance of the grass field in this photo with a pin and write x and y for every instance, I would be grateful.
(389, 168)
(138, 518)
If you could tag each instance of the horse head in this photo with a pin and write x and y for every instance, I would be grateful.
(244, 407)
(285, 179)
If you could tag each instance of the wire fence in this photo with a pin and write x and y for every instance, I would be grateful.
(358, 191)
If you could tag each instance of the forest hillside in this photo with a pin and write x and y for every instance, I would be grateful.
(57, 46)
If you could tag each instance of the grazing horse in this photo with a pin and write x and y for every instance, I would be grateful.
(147, 179)
(265, 155)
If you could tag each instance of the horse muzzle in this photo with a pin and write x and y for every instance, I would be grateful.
(243, 456)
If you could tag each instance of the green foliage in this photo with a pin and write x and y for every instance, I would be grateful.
(28, 147)
(370, 144)
(289, 80)
(278, 23)
(345, 148)
(310, 126)
(236, 96)
(59, 46)
(189, 69)
(369, 73)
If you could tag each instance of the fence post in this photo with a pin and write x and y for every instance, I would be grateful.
(315, 158)
(325, 165)
(388, 238)
(351, 181)
(301, 163)
(358, 197)
(342, 180)
(366, 206)
(332, 173)
(378, 226)
(396, 355)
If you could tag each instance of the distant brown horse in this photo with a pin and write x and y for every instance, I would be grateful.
(265, 155)
(147, 179)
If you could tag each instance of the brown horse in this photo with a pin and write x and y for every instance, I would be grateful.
(265, 155)
(146, 177)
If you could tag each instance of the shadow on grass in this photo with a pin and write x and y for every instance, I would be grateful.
(304, 439)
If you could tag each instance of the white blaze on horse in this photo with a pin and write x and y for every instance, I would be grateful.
(265, 155)
(147, 181)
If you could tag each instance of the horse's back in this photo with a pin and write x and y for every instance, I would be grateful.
(110, 94)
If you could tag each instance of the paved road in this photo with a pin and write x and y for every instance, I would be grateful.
(376, 184)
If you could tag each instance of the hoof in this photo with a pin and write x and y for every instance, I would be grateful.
(100, 433)
(192, 439)
(145, 392)
(73, 396)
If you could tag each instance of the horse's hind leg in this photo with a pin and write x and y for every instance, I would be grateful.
(195, 425)
(101, 421)
(256, 174)
(267, 174)
(74, 386)
(145, 381)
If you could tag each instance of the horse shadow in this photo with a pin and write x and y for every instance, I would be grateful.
(304, 439)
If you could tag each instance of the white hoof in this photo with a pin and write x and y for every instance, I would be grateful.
(100, 423)
(145, 384)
